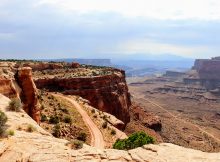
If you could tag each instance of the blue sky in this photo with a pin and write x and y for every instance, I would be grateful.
(109, 28)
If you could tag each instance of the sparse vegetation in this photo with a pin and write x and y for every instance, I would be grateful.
(43, 118)
(15, 105)
(104, 125)
(56, 130)
(82, 136)
(11, 133)
(31, 128)
(93, 111)
(64, 110)
(135, 140)
(75, 144)
(54, 119)
(3, 120)
(67, 119)
(113, 132)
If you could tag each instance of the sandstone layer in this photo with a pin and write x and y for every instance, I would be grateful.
(108, 93)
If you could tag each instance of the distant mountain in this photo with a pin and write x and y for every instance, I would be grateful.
(139, 56)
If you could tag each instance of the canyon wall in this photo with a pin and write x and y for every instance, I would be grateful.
(208, 69)
(108, 93)
(206, 73)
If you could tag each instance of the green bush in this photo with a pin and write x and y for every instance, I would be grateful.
(15, 105)
(3, 120)
(54, 120)
(135, 140)
(82, 136)
(67, 119)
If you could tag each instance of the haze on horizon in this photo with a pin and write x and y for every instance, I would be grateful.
(109, 29)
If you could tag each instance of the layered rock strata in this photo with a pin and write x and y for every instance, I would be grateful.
(108, 93)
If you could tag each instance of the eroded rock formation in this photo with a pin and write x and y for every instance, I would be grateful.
(29, 93)
(206, 73)
(108, 93)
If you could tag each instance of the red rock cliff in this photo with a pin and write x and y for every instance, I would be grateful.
(108, 93)
(29, 93)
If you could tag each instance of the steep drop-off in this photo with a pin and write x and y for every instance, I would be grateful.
(108, 93)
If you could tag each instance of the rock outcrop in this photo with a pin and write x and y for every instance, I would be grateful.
(206, 73)
(29, 94)
(108, 93)
(41, 146)
(7, 87)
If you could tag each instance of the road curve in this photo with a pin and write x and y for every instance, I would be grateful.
(96, 135)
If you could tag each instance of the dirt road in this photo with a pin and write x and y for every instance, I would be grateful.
(96, 135)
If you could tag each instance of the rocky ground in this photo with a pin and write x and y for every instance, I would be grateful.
(40, 146)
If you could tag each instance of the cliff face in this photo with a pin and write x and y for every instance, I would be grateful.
(206, 72)
(108, 93)
(208, 69)
(29, 93)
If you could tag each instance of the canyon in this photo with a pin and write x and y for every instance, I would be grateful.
(187, 104)
(104, 95)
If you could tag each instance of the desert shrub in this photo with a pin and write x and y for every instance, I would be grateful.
(104, 125)
(135, 140)
(82, 136)
(93, 111)
(42, 107)
(95, 116)
(104, 117)
(31, 128)
(15, 105)
(54, 120)
(11, 133)
(67, 119)
(43, 118)
(3, 120)
(75, 144)
(56, 130)
(113, 132)
(64, 110)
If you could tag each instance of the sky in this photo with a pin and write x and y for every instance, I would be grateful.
(35, 29)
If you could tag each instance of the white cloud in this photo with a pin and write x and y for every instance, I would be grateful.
(153, 47)
(159, 9)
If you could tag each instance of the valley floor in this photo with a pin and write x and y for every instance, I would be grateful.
(185, 122)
